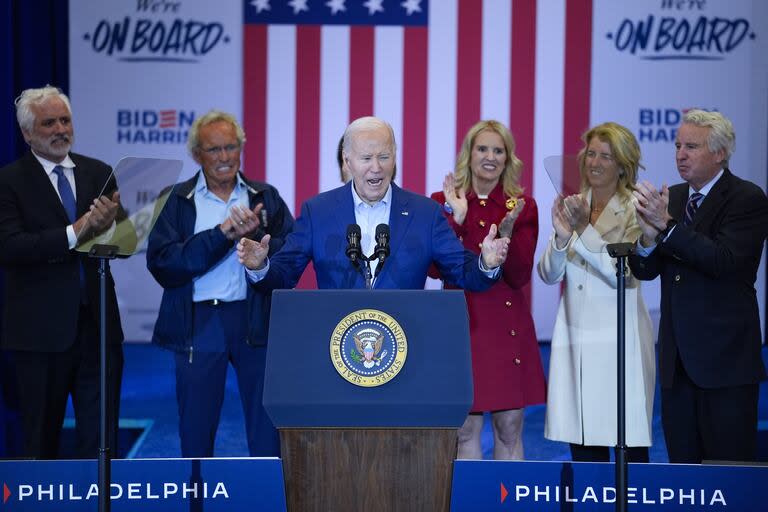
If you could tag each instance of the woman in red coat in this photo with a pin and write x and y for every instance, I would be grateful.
(506, 365)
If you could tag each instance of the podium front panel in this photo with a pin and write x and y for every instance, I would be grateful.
(433, 388)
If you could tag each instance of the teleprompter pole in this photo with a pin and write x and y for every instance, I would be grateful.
(621, 251)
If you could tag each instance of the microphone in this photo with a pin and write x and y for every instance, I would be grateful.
(353, 252)
(381, 251)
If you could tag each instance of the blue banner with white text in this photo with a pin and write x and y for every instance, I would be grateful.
(212, 485)
(583, 486)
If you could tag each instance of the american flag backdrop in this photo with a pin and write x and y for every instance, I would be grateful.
(431, 69)
(299, 71)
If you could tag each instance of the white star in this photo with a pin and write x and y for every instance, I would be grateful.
(373, 6)
(411, 6)
(260, 5)
(298, 6)
(336, 6)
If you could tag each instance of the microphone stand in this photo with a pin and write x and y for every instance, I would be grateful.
(621, 251)
(103, 253)
(367, 273)
(368, 260)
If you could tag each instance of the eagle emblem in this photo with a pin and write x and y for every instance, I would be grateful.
(368, 348)
(368, 343)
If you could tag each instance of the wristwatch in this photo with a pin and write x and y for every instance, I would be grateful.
(664, 232)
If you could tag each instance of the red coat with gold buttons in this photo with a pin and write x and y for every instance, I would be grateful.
(506, 362)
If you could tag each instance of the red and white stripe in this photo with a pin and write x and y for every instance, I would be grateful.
(476, 60)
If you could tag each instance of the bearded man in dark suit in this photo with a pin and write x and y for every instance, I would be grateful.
(705, 239)
(50, 202)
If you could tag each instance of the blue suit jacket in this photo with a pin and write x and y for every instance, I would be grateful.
(420, 236)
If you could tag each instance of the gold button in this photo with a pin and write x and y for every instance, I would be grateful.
(480, 245)
(677, 277)
(517, 360)
(482, 223)
(512, 333)
(482, 202)
(508, 304)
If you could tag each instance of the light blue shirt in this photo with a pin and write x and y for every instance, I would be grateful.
(646, 251)
(368, 216)
(225, 280)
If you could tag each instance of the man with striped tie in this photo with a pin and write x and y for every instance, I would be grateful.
(49, 201)
(705, 239)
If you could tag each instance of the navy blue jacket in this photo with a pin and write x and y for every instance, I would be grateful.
(176, 256)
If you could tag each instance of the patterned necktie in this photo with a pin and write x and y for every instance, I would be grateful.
(65, 191)
(691, 207)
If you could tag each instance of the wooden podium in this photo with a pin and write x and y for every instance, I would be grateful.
(385, 447)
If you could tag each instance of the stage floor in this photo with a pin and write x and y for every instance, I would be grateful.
(148, 396)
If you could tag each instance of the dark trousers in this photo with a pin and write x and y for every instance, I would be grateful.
(219, 338)
(581, 453)
(718, 424)
(11, 438)
(45, 381)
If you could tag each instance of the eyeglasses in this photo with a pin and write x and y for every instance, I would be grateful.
(215, 150)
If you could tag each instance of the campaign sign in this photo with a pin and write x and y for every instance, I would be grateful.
(145, 484)
(587, 486)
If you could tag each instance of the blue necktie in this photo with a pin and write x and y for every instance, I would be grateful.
(65, 191)
(691, 207)
(68, 200)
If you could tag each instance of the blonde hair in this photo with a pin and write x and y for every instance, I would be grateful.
(625, 151)
(513, 167)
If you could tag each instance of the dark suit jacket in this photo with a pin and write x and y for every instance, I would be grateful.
(41, 297)
(709, 307)
(420, 235)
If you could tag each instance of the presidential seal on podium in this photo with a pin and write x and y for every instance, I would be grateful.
(368, 348)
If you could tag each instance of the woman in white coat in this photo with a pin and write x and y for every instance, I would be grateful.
(581, 404)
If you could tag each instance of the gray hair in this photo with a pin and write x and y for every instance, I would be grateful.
(209, 117)
(721, 133)
(362, 124)
(29, 97)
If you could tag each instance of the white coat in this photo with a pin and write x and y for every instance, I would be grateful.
(581, 403)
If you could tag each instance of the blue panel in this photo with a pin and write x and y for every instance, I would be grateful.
(322, 12)
(303, 389)
(160, 485)
(582, 486)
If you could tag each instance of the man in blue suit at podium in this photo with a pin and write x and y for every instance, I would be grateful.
(369, 208)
